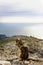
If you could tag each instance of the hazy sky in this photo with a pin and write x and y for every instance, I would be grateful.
(21, 11)
(29, 29)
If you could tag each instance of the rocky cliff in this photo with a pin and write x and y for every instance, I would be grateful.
(9, 50)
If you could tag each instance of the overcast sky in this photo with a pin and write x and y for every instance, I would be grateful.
(21, 5)
(21, 10)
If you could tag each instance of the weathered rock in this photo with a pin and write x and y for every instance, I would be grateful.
(17, 62)
(5, 62)
(8, 51)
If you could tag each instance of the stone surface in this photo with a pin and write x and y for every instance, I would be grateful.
(17, 62)
(2, 62)
(9, 51)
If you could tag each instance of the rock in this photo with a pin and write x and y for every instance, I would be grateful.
(17, 62)
(5, 62)
(8, 50)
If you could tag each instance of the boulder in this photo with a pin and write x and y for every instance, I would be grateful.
(2, 62)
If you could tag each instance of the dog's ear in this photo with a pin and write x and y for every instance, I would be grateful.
(17, 40)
